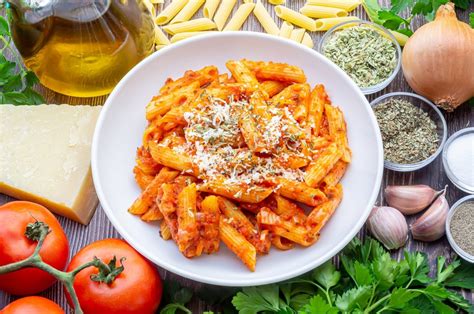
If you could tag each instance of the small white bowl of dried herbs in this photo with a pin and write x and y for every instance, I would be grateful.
(413, 130)
(367, 52)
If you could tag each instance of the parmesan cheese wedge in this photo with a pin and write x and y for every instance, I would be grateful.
(45, 157)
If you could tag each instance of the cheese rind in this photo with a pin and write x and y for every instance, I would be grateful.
(45, 157)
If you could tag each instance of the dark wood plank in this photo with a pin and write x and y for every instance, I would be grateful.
(433, 175)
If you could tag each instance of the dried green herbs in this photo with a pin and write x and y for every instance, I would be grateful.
(367, 56)
(462, 225)
(408, 133)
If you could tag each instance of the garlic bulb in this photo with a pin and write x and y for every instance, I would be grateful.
(388, 226)
(431, 225)
(410, 199)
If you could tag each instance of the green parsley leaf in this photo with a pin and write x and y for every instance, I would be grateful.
(326, 275)
(372, 8)
(362, 275)
(385, 270)
(391, 20)
(471, 19)
(405, 31)
(463, 277)
(173, 308)
(427, 7)
(442, 272)
(255, 299)
(317, 305)
(419, 267)
(354, 298)
(462, 4)
(13, 83)
(400, 297)
(4, 30)
(400, 5)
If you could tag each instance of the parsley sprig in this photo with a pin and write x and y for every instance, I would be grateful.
(368, 281)
(16, 82)
(391, 17)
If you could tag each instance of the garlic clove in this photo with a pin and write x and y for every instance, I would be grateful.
(410, 199)
(431, 225)
(388, 226)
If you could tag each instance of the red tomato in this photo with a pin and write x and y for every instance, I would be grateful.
(14, 217)
(32, 305)
(136, 290)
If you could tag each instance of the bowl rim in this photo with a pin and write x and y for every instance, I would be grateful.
(202, 277)
(378, 87)
(449, 173)
(420, 164)
(463, 254)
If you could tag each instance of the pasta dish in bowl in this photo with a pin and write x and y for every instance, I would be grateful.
(240, 154)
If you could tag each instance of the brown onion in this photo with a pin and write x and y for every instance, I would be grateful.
(438, 60)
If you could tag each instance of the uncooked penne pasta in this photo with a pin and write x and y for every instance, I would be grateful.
(202, 24)
(318, 12)
(210, 8)
(223, 13)
(347, 5)
(307, 40)
(286, 29)
(297, 34)
(160, 37)
(238, 19)
(401, 38)
(265, 19)
(159, 47)
(170, 11)
(150, 7)
(276, 2)
(186, 35)
(327, 23)
(188, 11)
(157, 1)
(295, 18)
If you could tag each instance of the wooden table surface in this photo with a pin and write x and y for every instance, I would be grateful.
(433, 175)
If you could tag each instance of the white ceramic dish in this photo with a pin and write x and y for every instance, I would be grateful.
(122, 121)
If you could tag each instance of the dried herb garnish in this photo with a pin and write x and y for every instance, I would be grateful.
(462, 225)
(367, 56)
(408, 133)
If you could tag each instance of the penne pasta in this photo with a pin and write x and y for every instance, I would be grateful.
(318, 100)
(188, 233)
(276, 2)
(160, 37)
(170, 11)
(272, 87)
(347, 5)
(300, 192)
(326, 23)
(307, 41)
(323, 163)
(152, 214)
(336, 173)
(276, 71)
(157, 1)
(295, 18)
(236, 242)
(238, 19)
(286, 29)
(188, 11)
(165, 232)
(202, 24)
(318, 12)
(210, 8)
(169, 158)
(209, 224)
(186, 35)
(223, 13)
(235, 192)
(337, 130)
(320, 215)
(265, 19)
(297, 34)
(241, 73)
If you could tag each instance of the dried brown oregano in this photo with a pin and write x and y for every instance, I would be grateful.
(408, 133)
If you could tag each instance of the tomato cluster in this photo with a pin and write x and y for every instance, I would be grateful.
(136, 289)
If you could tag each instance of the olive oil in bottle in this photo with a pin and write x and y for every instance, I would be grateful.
(82, 48)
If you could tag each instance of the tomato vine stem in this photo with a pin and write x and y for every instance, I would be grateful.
(38, 231)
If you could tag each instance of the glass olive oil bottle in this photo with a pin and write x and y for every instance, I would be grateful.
(81, 48)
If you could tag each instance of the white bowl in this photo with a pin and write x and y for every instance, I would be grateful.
(122, 121)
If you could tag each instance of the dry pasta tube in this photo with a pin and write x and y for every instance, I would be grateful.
(185, 35)
(210, 8)
(401, 38)
(159, 47)
(322, 12)
(170, 11)
(286, 29)
(239, 17)
(347, 5)
(307, 40)
(201, 24)
(265, 19)
(157, 1)
(327, 23)
(160, 37)
(277, 2)
(188, 11)
(297, 34)
(150, 7)
(295, 18)
(223, 13)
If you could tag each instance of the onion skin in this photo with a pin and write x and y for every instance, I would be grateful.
(438, 60)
